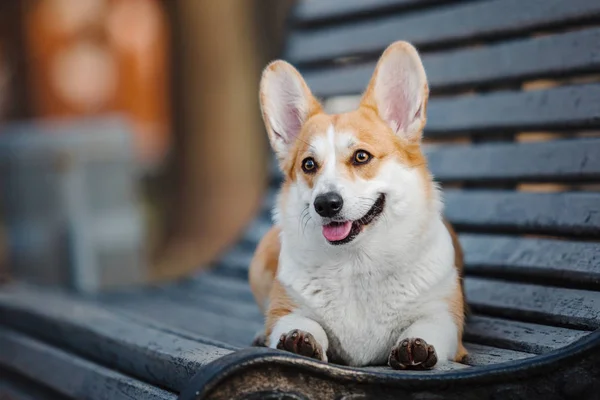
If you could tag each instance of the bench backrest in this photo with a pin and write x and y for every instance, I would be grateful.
(513, 129)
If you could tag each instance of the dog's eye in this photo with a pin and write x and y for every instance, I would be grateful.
(361, 157)
(309, 165)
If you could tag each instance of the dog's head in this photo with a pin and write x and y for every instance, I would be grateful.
(345, 172)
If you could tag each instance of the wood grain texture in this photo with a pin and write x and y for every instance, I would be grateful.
(69, 374)
(203, 321)
(486, 355)
(106, 337)
(14, 386)
(554, 161)
(519, 336)
(571, 308)
(310, 12)
(567, 107)
(558, 55)
(449, 25)
(566, 213)
(559, 262)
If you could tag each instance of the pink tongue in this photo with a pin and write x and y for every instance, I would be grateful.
(335, 232)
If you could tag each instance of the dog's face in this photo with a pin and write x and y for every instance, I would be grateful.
(346, 172)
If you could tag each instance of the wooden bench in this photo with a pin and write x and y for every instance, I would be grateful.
(500, 71)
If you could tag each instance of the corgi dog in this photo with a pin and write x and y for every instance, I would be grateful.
(360, 267)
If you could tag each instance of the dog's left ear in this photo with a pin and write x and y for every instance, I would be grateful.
(286, 103)
(398, 91)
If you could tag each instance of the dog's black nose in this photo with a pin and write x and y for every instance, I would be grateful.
(328, 204)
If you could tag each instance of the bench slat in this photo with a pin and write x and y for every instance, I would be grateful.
(553, 161)
(206, 322)
(544, 57)
(572, 308)
(568, 107)
(320, 11)
(436, 27)
(17, 387)
(559, 262)
(519, 336)
(480, 355)
(566, 213)
(68, 374)
(106, 337)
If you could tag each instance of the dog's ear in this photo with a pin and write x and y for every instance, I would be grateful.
(286, 103)
(398, 90)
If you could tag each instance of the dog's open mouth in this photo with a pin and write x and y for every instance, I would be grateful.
(344, 232)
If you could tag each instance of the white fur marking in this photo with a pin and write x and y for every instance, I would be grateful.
(293, 321)
(438, 330)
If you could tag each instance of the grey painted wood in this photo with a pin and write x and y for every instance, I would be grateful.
(68, 374)
(219, 286)
(572, 308)
(228, 304)
(164, 326)
(447, 25)
(519, 336)
(16, 387)
(486, 355)
(553, 161)
(568, 107)
(150, 354)
(321, 11)
(260, 227)
(569, 213)
(202, 321)
(549, 56)
(559, 262)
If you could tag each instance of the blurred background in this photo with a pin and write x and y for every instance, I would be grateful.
(131, 144)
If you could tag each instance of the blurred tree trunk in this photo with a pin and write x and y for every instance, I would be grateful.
(220, 164)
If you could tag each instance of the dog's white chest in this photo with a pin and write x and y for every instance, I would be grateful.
(361, 313)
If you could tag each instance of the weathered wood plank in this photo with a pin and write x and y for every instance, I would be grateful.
(68, 374)
(108, 338)
(436, 27)
(553, 161)
(17, 387)
(562, 263)
(543, 57)
(237, 260)
(168, 328)
(213, 284)
(309, 12)
(480, 355)
(202, 321)
(260, 227)
(519, 336)
(567, 107)
(228, 304)
(572, 308)
(567, 213)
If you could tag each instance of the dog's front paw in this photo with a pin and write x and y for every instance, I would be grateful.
(302, 343)
(260, 340)
(412, 354)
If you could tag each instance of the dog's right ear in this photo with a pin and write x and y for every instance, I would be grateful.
(286, 104)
